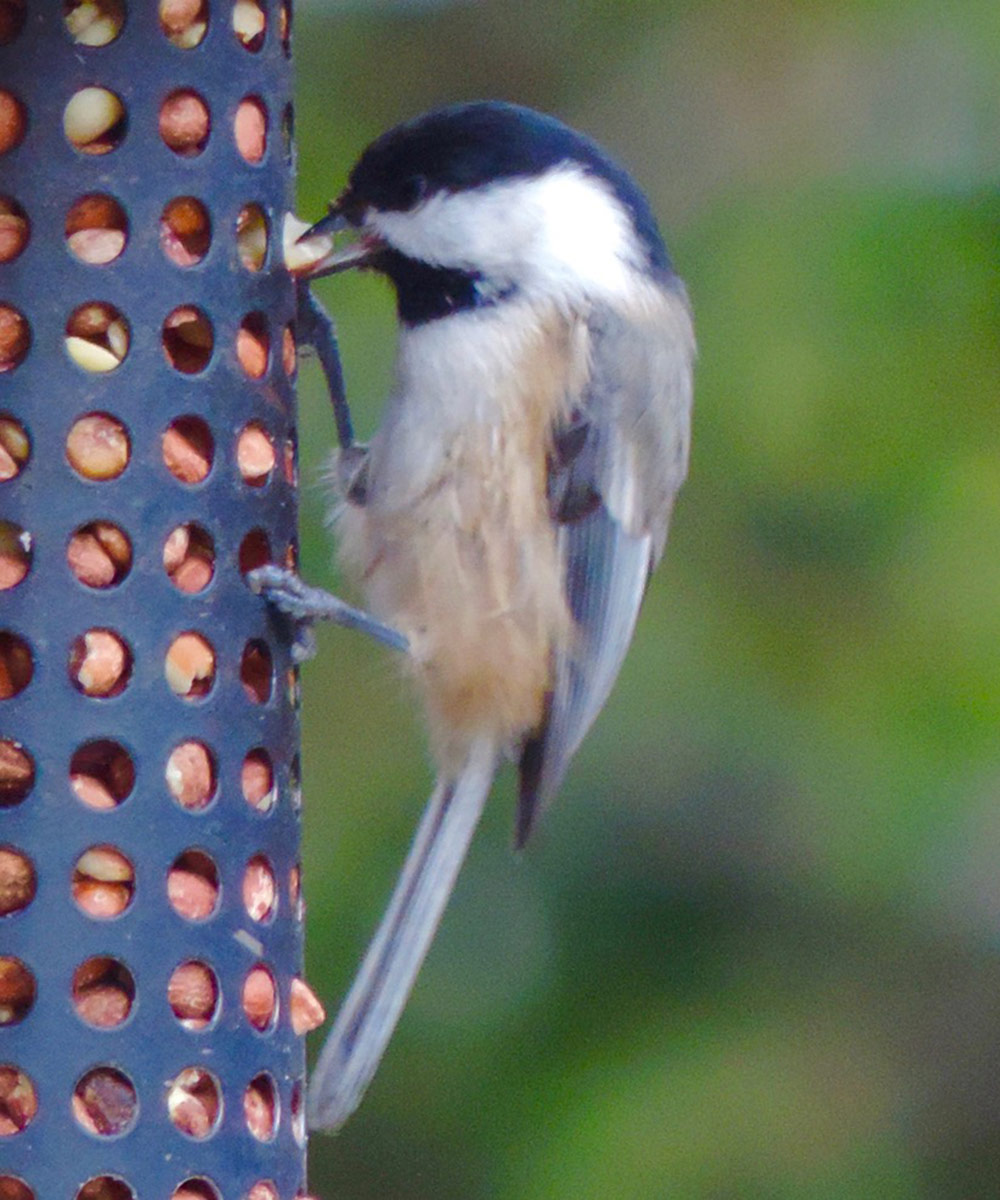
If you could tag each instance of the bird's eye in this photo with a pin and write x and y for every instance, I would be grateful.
(412, 190)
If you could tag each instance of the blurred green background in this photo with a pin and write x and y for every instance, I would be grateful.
(753, 950)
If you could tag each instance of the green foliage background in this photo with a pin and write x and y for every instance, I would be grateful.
(753, 951)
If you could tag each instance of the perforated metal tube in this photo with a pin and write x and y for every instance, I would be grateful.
(150, 924)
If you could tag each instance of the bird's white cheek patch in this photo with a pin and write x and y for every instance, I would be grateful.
(563, 232)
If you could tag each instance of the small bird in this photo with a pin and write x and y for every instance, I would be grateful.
(506, 515)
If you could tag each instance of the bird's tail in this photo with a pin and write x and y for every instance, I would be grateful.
(380, 989)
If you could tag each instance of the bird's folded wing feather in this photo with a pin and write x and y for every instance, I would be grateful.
(636, 411)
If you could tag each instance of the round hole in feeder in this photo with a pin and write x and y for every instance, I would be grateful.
(98, 447)
(185, 123)
(193, 885)
(102, 774)
(249, 24)
(188, 339)
(191, 775)
(185, 231)
(293, 687)
(13, 122)
(290, 469)
(263, 1189)
(255, 551)
(184, 22)
(94, 22)
(15, 337)
(306, 1011)
(189, 558)
(255, 454)
(12, 13)
(295, 891)
(260, 1107)
(196, 1188)
(190, 666)
(103, 992)
(18, 1100)
(17, 773)
(105, 1187)
(260, 998)
(188, 449)
(97, 337)
(257, 671)
(194, 1102)
(298, 1111)
(289, 355)
(99, 554)
(96, 229)
(295, 781)
(13, 1188)
(15, 229)
(94, 120)
(17, 881)
(15, 447)
(100, 663)
(253, 344)
(193, 994)
(288, 132)
(103, 882)
(250, 129)
(251, 236)
(16, 665)
(105, 1102)
(260, 891)
(17, 992)
(257, 780)
(15, 554)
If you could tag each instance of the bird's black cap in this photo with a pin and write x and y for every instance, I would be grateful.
(468, 146)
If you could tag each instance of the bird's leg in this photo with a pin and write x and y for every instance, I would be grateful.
(314, 327)
(283, 588)
(304, 604)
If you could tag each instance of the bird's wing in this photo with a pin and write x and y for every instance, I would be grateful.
(615, 471)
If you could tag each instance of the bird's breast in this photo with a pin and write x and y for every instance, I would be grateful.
(455, 545)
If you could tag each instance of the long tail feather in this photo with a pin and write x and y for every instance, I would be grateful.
(382, 985)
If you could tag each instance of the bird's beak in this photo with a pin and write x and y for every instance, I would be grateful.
(313, 254)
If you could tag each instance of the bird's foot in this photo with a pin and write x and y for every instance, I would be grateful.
(304, 604)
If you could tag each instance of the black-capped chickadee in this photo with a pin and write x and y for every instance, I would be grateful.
(506, 516)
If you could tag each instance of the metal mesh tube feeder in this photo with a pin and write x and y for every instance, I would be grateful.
(150, 915)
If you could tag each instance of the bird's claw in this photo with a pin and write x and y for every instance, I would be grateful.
(284, 589)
